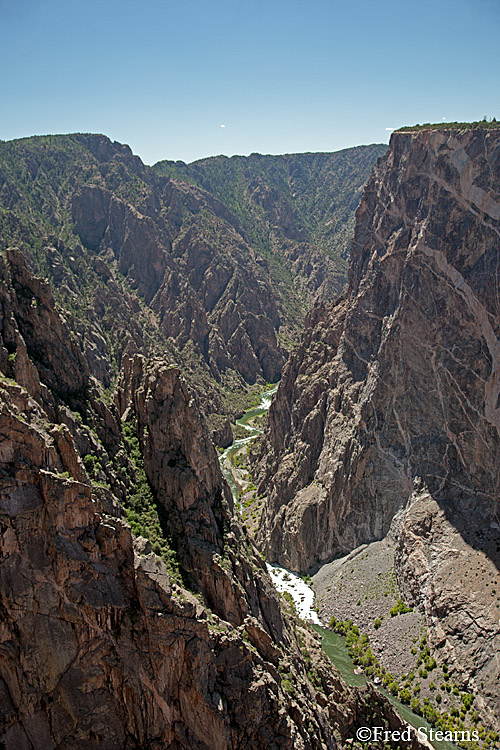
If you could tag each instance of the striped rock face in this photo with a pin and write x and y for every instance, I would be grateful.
(389, 409)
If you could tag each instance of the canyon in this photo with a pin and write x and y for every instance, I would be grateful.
(109, 639)
(141, 311)
(136, 610)
(142, 261)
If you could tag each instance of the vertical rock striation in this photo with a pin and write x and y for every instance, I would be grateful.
(389, 411)
(100, 647)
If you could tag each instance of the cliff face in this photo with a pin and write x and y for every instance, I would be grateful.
(391, 403)
(298, 208)
(99, 647)
(188, 262)
(141, 260)
(109, 641)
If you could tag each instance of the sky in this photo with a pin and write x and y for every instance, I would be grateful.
(195, 78)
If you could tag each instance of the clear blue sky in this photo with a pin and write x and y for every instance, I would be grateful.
(281, 75)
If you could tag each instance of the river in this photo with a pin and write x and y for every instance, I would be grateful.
(265, 398)
(335, 648)
(333, 644)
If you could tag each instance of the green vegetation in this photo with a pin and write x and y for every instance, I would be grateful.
(458, 718)
(143, 513)
(239, 432)
(400, 608)
(93, 465)
(289, 600)
(287, 686)
(317, 193)
(484, 123)
(43, 174)
(256, 188)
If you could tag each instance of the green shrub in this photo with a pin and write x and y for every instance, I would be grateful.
(141, 509)
(289, 599)
(467, 700)
(405, 696)
(400, 608)
(415, 706)
(393, 688)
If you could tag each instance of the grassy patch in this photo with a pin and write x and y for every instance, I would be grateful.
(142, 510)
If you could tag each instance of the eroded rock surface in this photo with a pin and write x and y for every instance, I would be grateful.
(391, 402)
(298, 207)
(216, 274)
(103, 643)
(100, 647)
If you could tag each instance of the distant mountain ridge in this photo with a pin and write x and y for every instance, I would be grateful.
(141, 260)
(298, 207)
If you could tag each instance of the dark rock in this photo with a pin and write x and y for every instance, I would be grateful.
(391, 402)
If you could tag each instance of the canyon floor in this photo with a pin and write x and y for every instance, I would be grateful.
(362, 587)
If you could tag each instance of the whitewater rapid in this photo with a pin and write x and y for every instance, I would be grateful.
(302, 594)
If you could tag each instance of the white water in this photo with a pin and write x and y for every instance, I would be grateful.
(284, 580)
(265, 401)
(302, 594)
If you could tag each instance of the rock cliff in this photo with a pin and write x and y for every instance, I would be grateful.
(142, 260)
(298, 208)
(109, 640)
(388, 412)
(100, 647)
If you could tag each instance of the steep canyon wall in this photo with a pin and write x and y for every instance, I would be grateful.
(389, 411)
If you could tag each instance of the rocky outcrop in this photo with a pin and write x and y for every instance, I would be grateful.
(183, 468)
(222, 434)
(32, 331)
(447, 565)
(299, 208)
(212, 267)
(391, 402)
(103, 643)
(202, 284)
(99, 647)
(103, 646)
